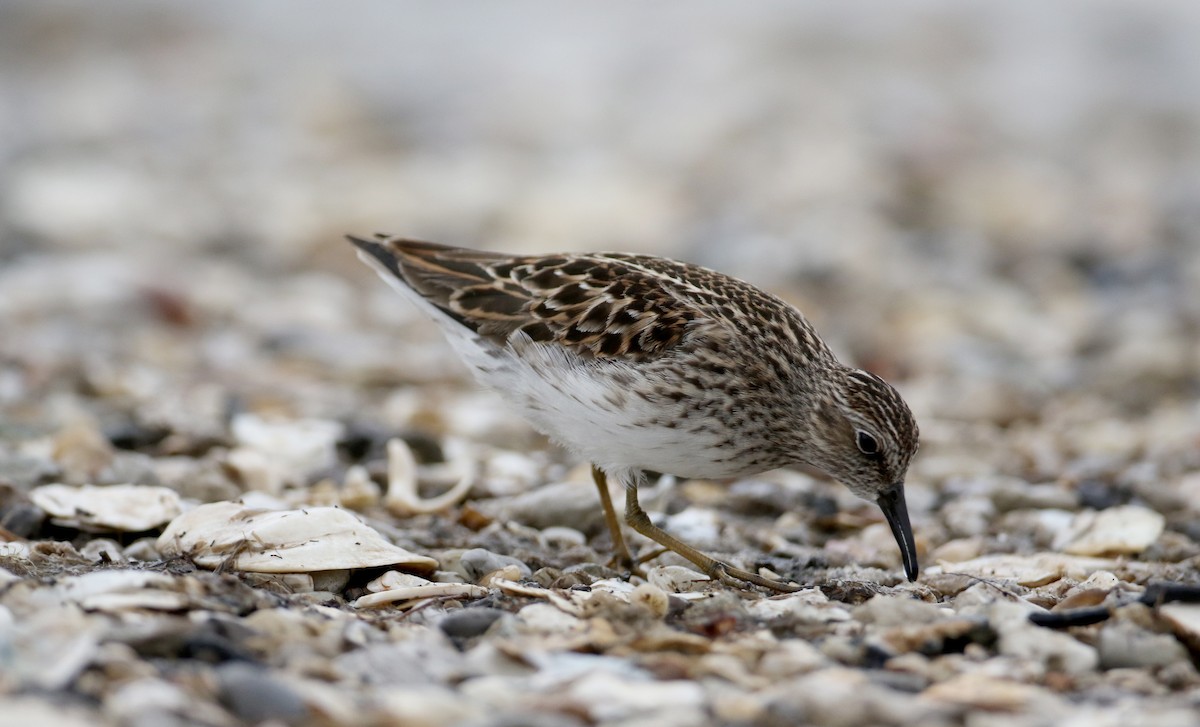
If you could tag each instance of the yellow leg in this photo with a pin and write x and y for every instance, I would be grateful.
(715, 569)
(623, 555)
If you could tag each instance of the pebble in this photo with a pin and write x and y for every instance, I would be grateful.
(24, 471)
(1051, 650)
(477, 562)
(985, 692)
(1125, 645)
(469, 622)
(254, 695)
(572, 504)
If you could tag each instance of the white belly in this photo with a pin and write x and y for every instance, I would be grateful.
(576, 404)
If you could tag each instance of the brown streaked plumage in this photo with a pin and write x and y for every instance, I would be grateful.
(642, 363)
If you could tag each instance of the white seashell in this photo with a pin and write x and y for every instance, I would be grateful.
(402, 497)
(108, 586)
(615, 586)
(283, 541)
(1123, 530)
(294, 448)
(652, 598)
(808, 606)
(395, 579)
(676, 578)
(608, 697)
(127, 508)
(395, 586)
(1025, 570)
(15, 549)
(134, 699)
(417, 592)
(547, 618)
(148, 599)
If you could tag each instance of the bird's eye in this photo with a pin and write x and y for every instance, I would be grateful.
(866, 443)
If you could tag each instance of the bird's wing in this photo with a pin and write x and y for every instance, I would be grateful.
(597, 305)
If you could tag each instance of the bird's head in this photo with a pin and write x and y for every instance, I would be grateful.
(864, 436)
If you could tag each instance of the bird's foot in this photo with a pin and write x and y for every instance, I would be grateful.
(731, 576)
(627, 564)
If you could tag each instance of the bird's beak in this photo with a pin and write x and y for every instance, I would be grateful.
(896, 512)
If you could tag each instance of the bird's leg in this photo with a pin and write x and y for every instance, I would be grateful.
(715, 569)
(622, 556)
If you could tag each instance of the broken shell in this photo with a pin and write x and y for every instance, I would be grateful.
(985, 692)
(1031, 570)
(1184, 619)
(807, 606)
(126, 508)
(394, 587)
(359, 492)
(1123, 530)
(652, 598)
(676, 578)
(402, 497)
(282, 541)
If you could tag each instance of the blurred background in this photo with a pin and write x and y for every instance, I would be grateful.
(997, 206)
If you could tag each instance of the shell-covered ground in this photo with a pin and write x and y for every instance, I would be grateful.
(241, 481)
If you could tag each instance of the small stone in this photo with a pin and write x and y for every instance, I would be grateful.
(985, 692)
(103, 550)
(890, 611)
(1052, 650)
(252, 694)
(1082, 598)
(23, 471)
(468, 623)
(1123, 644)
(969, 516)
(950, 635)
(571, 504)
(957, 551)
(477, 562)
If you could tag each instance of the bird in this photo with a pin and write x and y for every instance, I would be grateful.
(644, 364)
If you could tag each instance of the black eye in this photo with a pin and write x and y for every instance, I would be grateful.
(866, 443)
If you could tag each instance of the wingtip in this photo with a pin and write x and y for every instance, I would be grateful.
(376, 250)
(361, 243)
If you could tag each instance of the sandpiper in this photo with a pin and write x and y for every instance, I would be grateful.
(641, 363)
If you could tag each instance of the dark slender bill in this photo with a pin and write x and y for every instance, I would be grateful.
(895, 510)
